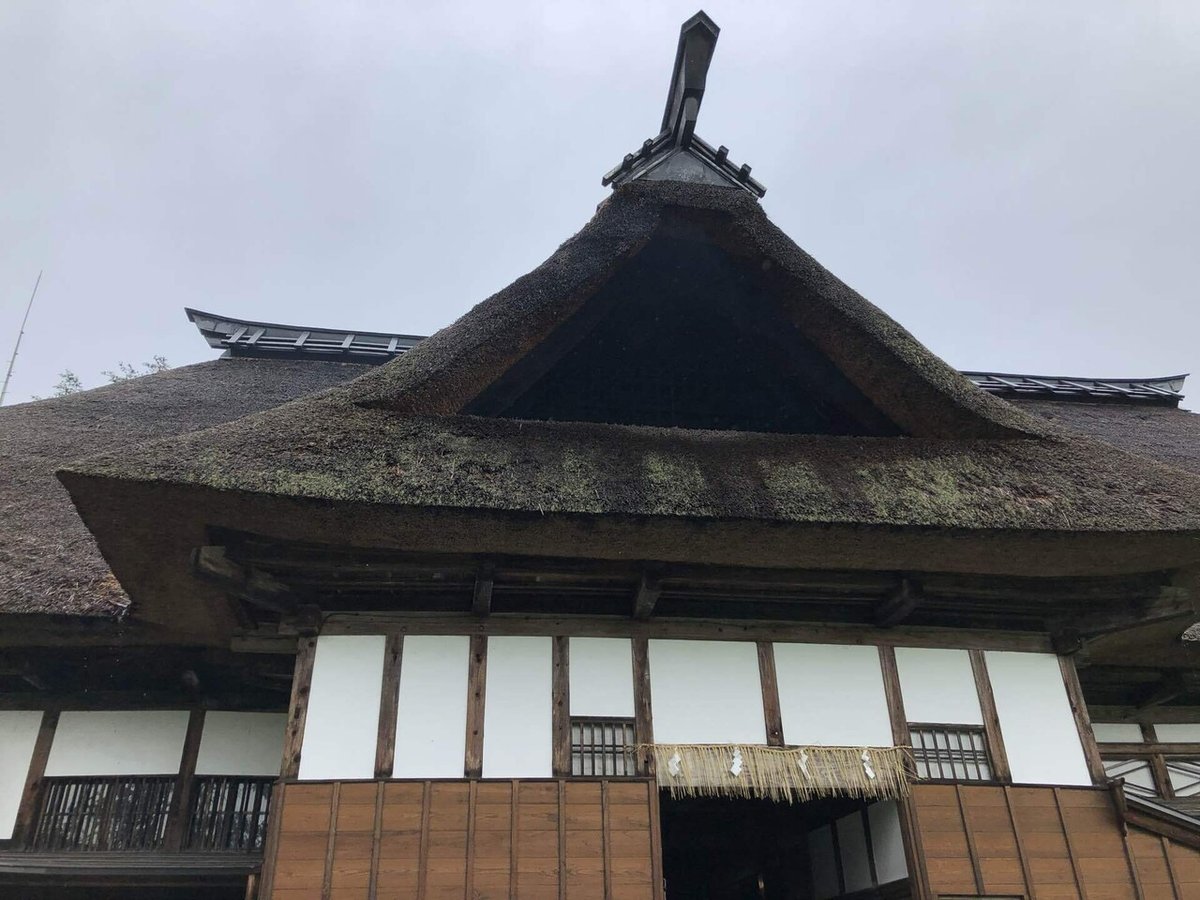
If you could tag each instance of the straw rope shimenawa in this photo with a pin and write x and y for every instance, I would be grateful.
(791, 774)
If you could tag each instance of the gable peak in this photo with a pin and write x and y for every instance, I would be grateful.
(677, 153)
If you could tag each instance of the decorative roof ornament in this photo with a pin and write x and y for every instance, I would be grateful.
(678, 153)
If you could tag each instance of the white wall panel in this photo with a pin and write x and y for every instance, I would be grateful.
(852, 843)
(126, 742)
(706, 692)
(823, 863)
(832, 694)
(431, 717)
(241, 743)
(938, 686)
(517, 717)
(1036, 721)
(1117, 732)
(343, 708)
(601, 674)
(1178, 733)
(18, 734)
(887, 841)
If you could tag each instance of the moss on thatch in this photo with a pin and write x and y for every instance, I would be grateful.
(49, 562)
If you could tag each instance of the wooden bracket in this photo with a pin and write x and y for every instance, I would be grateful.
(646, 596)
(899, 604)
(485, 581)
(212, 564)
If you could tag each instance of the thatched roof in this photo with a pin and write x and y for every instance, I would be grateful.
(49, 562)
(1163, 433)
(397, 448)
(397, 439)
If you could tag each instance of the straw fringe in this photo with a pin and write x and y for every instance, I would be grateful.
(792, 774)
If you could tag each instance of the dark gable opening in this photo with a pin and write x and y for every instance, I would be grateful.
(683, 337)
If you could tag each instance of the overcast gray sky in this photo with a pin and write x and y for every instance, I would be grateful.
(1016, 182)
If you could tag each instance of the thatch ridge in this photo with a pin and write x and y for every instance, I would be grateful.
(444, 372)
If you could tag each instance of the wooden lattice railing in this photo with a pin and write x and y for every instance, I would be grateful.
(129, 813)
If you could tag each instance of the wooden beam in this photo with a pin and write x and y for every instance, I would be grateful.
(481, 602)
(646, 596)
(991, 719)
(298, 708)
(1173, 684)
(389, 699)
(27, 810)
(476, 688)
(181, 799)
(561, 711)
(683, 629)
(769, 681)
(1071, 633)
(1083, 723)
(899, 604)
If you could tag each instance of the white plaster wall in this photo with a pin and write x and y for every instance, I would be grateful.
(823, 863)
(832, 695)
(341, 729)
(431, 716)
(1180, 733)
(938, 686)
(517, 716)
(1039, 730)
(126, 742)
(18, 734)
(601, 675)
(1117, 732)
(706, 692)
(852, 843)
(241, 743)
(887, 842)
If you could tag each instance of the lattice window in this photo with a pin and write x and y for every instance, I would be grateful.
(602, 747)
(1138, 775)
(950, 752)
(1185, 776)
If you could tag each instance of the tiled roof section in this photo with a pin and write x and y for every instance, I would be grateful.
(242, 337)
(1164, 391)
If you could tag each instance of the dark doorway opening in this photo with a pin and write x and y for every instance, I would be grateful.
(741, 849)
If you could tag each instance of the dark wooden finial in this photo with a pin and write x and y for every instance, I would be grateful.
(697, 41)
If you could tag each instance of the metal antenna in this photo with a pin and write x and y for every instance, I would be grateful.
(12, 359)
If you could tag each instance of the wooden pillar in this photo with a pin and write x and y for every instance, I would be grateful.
(770, 694)
(24, 827)
(991, 719)
(1083, 722)
(389, 698)
(181, 799)
(910, 833)
(561, 712)
(642, 716)
(476, 691)
(306, 654)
